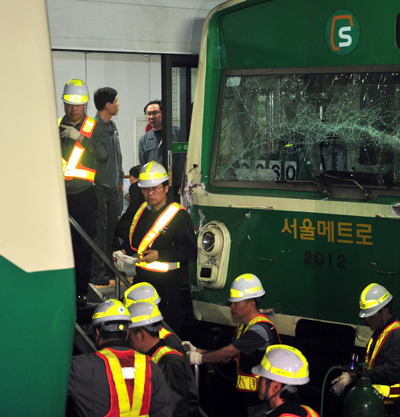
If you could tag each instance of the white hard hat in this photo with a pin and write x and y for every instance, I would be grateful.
(144, 313)
(152, 174)
(372, 299)
(111, 310)
(75, 92)
(244, 287)
(143, 291)
(284, 364)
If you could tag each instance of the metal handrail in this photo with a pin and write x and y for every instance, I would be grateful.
(118, 275)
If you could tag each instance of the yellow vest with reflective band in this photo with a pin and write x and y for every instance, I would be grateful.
(310, 413)
(162, 351)
(162, 221)
(388, 391)
(125, 409)
(73, 168)
(163, 333)
(248, 382)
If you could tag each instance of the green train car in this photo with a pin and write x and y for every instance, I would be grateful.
(293, 169)
(37, 306)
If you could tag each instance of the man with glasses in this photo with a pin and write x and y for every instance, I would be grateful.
(162, 234)
(151, 144)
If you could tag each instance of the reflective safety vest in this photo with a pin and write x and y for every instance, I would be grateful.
(73, 167)
(248, 382)
(162, 221)
(163, 333)
(163, 351)
(310, 413)
(388, 391)
(129, 378)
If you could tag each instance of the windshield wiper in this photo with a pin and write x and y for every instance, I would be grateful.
(367, 194)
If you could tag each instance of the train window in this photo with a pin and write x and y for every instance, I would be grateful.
(280, 128)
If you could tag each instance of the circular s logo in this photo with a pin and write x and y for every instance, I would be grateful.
(342, 32)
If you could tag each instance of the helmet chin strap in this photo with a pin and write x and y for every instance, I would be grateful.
(291, 388)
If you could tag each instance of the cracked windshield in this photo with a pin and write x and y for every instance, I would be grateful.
(311, 127)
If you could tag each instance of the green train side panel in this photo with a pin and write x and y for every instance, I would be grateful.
(307, 267)
(37, 310)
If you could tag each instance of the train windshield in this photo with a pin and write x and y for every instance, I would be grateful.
(277, 128)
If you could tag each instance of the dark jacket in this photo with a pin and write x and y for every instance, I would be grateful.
(135, 201)
(184, 397)
(109, 173)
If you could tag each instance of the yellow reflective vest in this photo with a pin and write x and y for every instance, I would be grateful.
(162, 221)
(162, 351)
(388, 391)
(248, 382)
(73, 167)
(129, 376)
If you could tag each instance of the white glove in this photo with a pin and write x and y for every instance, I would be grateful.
(340, 383)
(195, 358)
(123, 259)
(189, 346)
(69, 132)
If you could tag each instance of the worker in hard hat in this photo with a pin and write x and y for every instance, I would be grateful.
(143, 291)
(282, 369)
(383, 350)
(162, 234)
(116, 380)
(255, 333)
(144, 338)
(82, 147)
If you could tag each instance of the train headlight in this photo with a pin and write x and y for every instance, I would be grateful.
(212, 263)
(208, 242)
(212, 242)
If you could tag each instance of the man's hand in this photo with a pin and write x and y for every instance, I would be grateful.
(120, 189)
(195, 358)
(69, 132)
(115, 258)
(340, 383)
(189, 346)
(149, 256)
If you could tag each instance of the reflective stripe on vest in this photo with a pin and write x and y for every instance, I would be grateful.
(248, 382)
(388, 391)
(162, 351)
(164, 333)
(161, 222)
(73, 168)
(87, 127)
(310, 413)
(141, 383)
